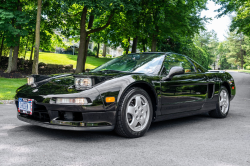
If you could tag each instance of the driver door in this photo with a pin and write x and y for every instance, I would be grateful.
(185, 92)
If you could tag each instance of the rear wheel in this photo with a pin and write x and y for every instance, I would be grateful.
(223, 104)
(134, 113)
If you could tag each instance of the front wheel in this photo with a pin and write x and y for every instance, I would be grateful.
(223, 104)
(134, 114)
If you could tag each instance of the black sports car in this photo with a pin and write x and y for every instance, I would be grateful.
(126, 94)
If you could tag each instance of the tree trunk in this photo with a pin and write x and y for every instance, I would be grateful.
(1, 49)
(16, 48)
(83, 37)
(127, 49)
(85, 53)
(37, 42)
(144, 48)
(91, 20)
(15, 56)
(134, 46)
(26, 47)
(98, 48)
(10, 62)
(154, 43)
(81, 59)
(25, 51)
(32, 48)
(104, 50)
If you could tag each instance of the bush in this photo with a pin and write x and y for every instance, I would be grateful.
(90, 53)
(247, 67)
(124, 52)
(108, 56)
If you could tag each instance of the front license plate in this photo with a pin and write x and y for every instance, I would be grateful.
(25, 106)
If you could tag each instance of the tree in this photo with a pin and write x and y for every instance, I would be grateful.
(12, 18)
(236, 52)
(83, 13)
(37, 38)
(240, 22)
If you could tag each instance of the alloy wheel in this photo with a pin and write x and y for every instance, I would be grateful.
(137, 112)
(224, 101)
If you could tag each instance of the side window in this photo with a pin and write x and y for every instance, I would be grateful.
(178, 60)
(199, 68)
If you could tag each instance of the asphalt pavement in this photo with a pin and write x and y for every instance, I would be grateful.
(195, 141)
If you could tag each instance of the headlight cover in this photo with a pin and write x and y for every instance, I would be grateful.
(30, 80)
(83, 83)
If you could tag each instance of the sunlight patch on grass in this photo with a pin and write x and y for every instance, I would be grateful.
(8, 87)
(66, 59)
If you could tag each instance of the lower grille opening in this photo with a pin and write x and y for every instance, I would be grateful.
(70, 116)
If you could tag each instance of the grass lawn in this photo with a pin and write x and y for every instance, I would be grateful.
(8, 87)
(66, 59)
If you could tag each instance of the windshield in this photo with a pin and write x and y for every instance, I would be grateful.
(138, 63)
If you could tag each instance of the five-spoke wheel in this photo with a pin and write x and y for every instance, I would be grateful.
(134, 113)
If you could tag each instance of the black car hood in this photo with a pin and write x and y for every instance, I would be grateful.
(64, 83)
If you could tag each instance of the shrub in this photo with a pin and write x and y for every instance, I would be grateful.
(108, 56)
(90, 53)
(124, 52)
(247, 67)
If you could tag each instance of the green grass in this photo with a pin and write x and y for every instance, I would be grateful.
(245, 71)
(66, 59)
(8, 87)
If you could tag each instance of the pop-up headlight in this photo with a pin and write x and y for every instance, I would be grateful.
(30, 80)
(83, 83)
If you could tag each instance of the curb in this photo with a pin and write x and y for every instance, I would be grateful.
(7, 101)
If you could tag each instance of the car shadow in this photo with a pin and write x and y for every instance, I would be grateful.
(89, 136)
(179, 122)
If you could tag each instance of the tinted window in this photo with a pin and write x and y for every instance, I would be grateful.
(177, 60)
(198, 67)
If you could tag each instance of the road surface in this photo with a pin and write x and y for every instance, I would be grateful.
(197, 140)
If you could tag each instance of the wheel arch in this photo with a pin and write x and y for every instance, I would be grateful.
(148, 88)
(226, 84)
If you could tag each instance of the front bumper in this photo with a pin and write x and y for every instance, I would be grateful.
(71, 117)
(65, 127)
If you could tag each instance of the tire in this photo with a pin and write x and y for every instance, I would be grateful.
(134, 113)
(223, 104)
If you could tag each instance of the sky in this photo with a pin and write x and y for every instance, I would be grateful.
(220, 25)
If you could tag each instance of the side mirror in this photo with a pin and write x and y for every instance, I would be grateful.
(176, 70)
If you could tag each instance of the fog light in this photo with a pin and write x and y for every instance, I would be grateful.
(71, 101)
(81, 101)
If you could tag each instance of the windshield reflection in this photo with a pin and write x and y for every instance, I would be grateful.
(139, 63)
